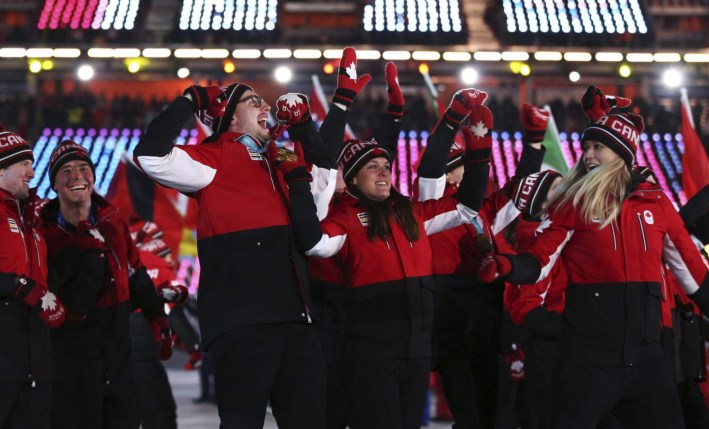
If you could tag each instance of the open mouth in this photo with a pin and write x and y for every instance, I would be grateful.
(263, 123)
(78, 188)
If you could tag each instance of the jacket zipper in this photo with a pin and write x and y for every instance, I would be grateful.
(615, 241)
(642, 231)
(21, 227)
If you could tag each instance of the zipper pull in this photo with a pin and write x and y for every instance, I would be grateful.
(34, 384)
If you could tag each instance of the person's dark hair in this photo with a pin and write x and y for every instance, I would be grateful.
(397, 205)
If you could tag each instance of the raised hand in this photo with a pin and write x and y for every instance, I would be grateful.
(208, 102)
(395, 108)
(293, 108)
(461, 105)
(349, 84)
(534, 122)
(597, 105)
(478, 141)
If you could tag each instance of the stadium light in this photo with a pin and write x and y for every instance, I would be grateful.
(525, 70)
(625, 70)
(283, 74)
(183, 72)
(672, 78)
(574, 76)
(35, 66)
(85, 72)
(469, 76)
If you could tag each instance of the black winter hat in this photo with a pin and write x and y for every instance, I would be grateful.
(66, 151)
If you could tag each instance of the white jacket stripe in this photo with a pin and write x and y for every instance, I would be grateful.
(674, 260)
(178, 170)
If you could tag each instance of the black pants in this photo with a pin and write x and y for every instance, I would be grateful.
(23, 406)
(643, 396)
(385, 393)
(281, 362)
(470, 387)
(157, 405)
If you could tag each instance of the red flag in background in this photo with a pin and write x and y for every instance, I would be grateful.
(694, 162)
(134, 193)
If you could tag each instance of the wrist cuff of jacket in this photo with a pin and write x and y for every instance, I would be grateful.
(701, 298)
(298, 174)
(344, 96)
(452, 118)
(479, 156)
(394, 111)
(533, 136)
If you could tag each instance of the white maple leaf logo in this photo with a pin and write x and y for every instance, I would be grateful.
(49, 301)
(517, 366)
(291, 99)
(545, 223)
(351, 71)
(97, 235)
(478, 129)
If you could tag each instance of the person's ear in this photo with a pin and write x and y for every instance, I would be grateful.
(354, 180)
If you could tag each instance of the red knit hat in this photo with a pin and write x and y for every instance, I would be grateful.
(13, 148)
(619, 131)
(531, 191)
(356, 153)
(66, 151)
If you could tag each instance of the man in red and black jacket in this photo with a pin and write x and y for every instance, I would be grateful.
(253, 284)
(89, 246)
(25, 302)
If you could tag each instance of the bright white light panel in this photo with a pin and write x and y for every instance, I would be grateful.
(574, 16)
(413, 16)
(88, 14)
(228, 15)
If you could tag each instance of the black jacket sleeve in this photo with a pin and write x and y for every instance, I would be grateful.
(471, 191)
(525, 269)
(304, 218)
(434, 158)
(332, 132)
(143, 294)
(388, 136)
(311, 142)
(162, 131)
(530, 161)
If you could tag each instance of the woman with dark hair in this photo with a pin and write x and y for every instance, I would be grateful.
(379, 239)
(611, 229)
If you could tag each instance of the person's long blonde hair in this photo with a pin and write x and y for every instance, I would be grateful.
(598, 193)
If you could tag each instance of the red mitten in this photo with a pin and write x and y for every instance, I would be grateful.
(461, 104)
(276, 131)
(478, 141)
(597, 105)
(493, 267)
(173, 292)
(293, 108)
(194, 361)
(28, 290)
(293, 170)
(208, 102)
(515, 360)
(395, 109)
(162, 336)
(534, 122)
(52, 312)
(348, 83)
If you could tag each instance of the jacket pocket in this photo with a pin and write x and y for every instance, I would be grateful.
(653, 312)
(595, 310)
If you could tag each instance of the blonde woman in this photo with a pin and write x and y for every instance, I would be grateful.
(612, 230)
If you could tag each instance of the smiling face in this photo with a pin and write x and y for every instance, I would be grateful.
(596, 154)
(250, 118)
(74, 183)
(16, 178)
(374, 179)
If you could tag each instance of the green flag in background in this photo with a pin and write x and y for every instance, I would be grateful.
(553, 158)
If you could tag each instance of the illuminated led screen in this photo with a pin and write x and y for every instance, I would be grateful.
(88, 14)
(413, 16)
(228, 15)
(574, 16)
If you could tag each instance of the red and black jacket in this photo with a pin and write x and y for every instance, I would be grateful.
(617, 303)
(24, 349)
(98, 306)
(252, 273)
